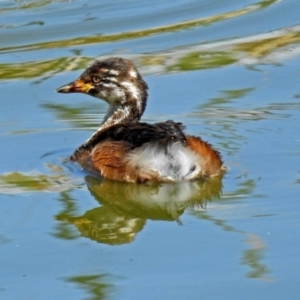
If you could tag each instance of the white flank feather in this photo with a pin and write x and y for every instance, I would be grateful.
(172, 163)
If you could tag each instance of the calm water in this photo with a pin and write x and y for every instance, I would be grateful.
(230, 71)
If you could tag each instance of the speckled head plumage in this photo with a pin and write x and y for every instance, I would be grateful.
(114, 80)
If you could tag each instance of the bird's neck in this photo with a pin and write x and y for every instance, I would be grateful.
(120, 114)
(123, 112)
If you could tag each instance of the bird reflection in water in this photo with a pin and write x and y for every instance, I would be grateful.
(125, 207)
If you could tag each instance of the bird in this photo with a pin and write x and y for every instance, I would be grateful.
(125, 149)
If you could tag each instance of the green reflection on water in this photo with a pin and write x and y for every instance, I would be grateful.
(97, 286)
(18, 182)
(35, 69)
(183, 59)
(253, 257)
(202, 60)
(265, 46)
(78, 116)
(125, 207)
(105, 225)
(26, 182)
(63, 230)
(142, 33)
(227, 96)
(28, 5)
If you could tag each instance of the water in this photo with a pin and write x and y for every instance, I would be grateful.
(230, 72)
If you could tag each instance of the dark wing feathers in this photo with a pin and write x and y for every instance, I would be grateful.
(136, 134)
(139, 133)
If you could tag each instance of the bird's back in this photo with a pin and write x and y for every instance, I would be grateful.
(140, 152)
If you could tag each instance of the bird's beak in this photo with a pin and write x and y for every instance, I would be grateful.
(77, 86)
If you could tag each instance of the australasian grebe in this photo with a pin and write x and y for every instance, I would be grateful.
(125, 149)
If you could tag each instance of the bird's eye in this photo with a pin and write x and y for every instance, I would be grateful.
(96, 79)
